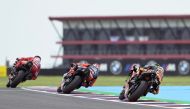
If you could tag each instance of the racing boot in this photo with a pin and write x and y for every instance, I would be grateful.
(122, 95)
(8, 84)
(156, 90)
(59, 90)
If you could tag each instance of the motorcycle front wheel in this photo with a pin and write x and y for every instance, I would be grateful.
(19, 77)
(76, 82)
(140, 90)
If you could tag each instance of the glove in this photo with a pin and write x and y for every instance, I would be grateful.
(17, 59)
(74, 66)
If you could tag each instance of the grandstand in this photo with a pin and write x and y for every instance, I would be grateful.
(124, 40)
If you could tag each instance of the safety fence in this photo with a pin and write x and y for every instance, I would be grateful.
(122, 67)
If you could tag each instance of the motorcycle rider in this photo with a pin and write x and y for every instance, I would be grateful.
(31, 62)
(91, 78)
(137, 70)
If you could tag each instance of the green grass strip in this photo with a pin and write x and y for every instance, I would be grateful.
(101, 81)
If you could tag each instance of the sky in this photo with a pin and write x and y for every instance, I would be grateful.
(25, 29)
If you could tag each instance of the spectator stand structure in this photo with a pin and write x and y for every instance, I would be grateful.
(117, 42)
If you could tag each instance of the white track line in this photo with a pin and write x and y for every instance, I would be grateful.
(155, 102)
(107, 97)
(7, 90)
(99, 99)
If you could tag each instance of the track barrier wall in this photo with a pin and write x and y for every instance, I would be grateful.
(122, 67)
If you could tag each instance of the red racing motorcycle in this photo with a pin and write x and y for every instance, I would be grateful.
(23, 70)
(74, 80)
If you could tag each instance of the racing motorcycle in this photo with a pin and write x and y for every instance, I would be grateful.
(19, 74)
(140, 86)
(74, 80)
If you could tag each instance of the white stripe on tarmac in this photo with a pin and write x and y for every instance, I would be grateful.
(155, 102)
(107, 97)
(99, 99)
(11, 90)
(179, 107)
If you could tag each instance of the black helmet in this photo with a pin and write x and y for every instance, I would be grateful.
(149, 66)
(38, 56)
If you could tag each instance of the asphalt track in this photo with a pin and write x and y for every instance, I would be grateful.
(26, 99)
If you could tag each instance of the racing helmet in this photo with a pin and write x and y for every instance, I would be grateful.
(151, 66)
(37, 57)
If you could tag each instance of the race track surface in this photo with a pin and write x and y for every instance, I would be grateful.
(25, 99)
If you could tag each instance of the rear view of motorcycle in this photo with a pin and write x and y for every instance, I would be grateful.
(140, 86)
(80, 77)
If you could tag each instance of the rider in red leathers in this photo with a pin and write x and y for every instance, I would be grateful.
(35, 68)
(89, 80)
(93, 75)
(32, 63)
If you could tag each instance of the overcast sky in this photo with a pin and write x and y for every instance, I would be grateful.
(26, 31)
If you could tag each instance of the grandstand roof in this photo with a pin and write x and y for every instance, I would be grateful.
(61, 18)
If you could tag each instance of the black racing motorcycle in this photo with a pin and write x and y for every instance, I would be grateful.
(140, 86)
(74, 80)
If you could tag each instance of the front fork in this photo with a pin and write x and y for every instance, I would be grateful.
(66, 78)
(129, 83)
(11, 77)
(63, 80)
(124, 91)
